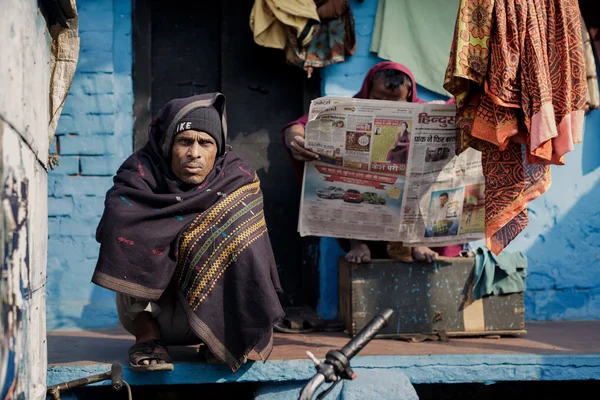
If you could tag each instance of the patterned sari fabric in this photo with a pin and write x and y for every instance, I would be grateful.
(517, 72)
(332, 42)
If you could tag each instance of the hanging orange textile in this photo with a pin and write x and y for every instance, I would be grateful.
(518, 75)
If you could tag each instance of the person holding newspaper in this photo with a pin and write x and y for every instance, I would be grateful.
(384, 81)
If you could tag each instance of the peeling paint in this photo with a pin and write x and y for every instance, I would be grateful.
(24, 118)
(14, 283)
(24, 226)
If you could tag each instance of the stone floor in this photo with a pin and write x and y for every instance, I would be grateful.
(550, 351)
(92, 347)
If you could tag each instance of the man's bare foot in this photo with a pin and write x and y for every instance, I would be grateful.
(359, 252)
(424, 254)
(146, 329)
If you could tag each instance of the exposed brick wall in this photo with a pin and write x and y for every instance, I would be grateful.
(93, 138)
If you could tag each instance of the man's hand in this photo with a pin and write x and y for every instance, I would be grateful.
(294, 140)
(424, 254)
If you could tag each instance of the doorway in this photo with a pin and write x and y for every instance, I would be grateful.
(186, 48)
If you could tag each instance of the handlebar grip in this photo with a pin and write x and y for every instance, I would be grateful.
(116, 377)
(311, 387)
(367, 333)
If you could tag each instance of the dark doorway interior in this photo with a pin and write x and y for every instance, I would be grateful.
(186, 48)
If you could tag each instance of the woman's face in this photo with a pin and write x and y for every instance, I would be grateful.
(380, 92)
(402, 128)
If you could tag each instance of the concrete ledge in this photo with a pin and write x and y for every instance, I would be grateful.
(557, 351)
(382, 385)
(483, 368)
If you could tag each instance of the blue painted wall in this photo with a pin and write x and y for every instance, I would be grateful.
(562, 241)
(94, 136)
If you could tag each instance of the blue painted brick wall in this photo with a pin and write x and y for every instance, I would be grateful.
(93, 138)
(95, 135)
(562, 241)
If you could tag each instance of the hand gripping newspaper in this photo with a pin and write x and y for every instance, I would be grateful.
(388, 171)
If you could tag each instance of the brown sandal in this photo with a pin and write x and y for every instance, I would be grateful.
(149, 350)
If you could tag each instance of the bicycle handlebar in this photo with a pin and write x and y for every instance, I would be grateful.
(367, 334)
(333, 363)
(311, 386)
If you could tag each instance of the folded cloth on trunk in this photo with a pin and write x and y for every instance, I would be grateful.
(502, 274)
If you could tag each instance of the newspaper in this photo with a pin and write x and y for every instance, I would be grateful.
(388, 171)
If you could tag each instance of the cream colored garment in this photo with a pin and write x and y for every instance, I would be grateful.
(63, 62)
(593, 94)
(270, 21)
(169, 314)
